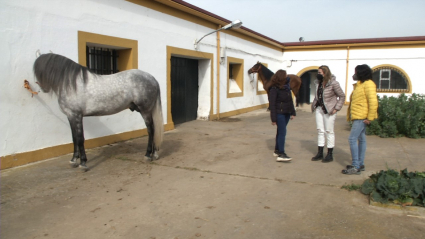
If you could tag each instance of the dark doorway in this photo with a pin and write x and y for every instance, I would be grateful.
(305, 90)
(184, 89)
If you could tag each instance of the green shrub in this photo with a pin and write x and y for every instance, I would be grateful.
(374, 128)
(399, 116)
(406, 188)
(352, 187)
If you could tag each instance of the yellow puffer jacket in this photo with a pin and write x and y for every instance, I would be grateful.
(363, 102)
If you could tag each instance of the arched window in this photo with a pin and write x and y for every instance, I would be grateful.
(390, 78)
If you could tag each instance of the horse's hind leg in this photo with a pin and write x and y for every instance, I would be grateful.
(78, 133)
(151, 154)
(149, 150)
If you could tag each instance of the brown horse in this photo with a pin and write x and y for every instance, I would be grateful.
(265, 76)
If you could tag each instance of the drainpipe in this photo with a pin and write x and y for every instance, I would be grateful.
(346, 74)
(218, 73)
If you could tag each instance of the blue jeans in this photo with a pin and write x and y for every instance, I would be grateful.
(282, 122)
(358, 151)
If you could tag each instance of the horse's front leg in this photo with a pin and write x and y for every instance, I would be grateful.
(77, 124)
(76, 155)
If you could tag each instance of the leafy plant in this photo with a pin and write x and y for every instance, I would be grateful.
(352, 187)
(405, 188)
(399, 116)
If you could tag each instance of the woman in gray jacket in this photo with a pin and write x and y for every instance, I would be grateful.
(328, 100)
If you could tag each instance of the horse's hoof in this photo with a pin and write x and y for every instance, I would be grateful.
(148, 159)
(83, 168)
(73, 164)
(155, 156)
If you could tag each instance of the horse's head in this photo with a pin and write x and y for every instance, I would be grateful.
(255, 68)
(57, 73)
(37, 81)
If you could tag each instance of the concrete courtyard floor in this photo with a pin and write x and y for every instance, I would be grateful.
(215, 179)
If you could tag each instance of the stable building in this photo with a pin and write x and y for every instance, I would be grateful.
(203, 81)
(395, 62)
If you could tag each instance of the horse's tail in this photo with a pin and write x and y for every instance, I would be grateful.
(158, 123)
(296, 88)
(298, 102)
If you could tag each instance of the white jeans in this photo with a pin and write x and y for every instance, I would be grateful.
(325, 127)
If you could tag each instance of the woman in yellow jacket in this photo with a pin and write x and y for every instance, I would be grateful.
(362, 110)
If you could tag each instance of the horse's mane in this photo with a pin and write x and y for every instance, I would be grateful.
(57, 73)
(266, 72)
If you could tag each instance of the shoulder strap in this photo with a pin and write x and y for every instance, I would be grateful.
(288, 79)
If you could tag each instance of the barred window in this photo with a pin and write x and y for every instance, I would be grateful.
(390, 79)
(102, 61)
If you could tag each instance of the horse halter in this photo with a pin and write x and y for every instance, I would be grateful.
(254, 71)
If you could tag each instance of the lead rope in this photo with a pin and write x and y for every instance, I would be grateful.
(28, 87)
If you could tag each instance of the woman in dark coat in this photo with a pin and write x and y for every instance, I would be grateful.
(281, 110)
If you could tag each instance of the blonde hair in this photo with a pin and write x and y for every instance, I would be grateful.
(326, 74)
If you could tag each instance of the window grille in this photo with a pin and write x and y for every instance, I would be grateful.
(390, 79)
(102, 61)
(384, 81)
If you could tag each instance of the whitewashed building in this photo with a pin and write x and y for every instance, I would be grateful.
(396, 63)
(158, 36)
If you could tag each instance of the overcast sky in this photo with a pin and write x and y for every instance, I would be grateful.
(288, 20)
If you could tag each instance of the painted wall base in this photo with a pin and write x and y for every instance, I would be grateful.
(238, 112)
(14, 160)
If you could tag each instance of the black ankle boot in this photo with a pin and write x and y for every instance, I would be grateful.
(319, 155)
(329, 157)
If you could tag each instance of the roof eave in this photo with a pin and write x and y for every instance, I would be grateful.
(356, 42)
(199, 12)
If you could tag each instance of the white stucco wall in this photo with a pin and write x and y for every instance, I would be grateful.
(335, 60)
(29, 124)
(409, 60)
(251, 53)
(33, 123)
(204, 98)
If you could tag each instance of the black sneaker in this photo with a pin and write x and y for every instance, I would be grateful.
(351, 170)
(362, 167)
(276, 153)
(283, 158)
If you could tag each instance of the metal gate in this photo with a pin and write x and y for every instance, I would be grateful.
(184, 89)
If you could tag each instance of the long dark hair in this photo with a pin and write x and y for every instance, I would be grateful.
(57, 73)
(279, 79)
(363, 72)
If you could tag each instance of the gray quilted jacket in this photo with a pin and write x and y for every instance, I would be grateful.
(333, 96)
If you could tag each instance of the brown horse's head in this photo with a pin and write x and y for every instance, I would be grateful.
(256, 68)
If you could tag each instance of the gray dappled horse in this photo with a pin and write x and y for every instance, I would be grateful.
(82, 93)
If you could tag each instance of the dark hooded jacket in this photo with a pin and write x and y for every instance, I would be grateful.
(280, 102)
